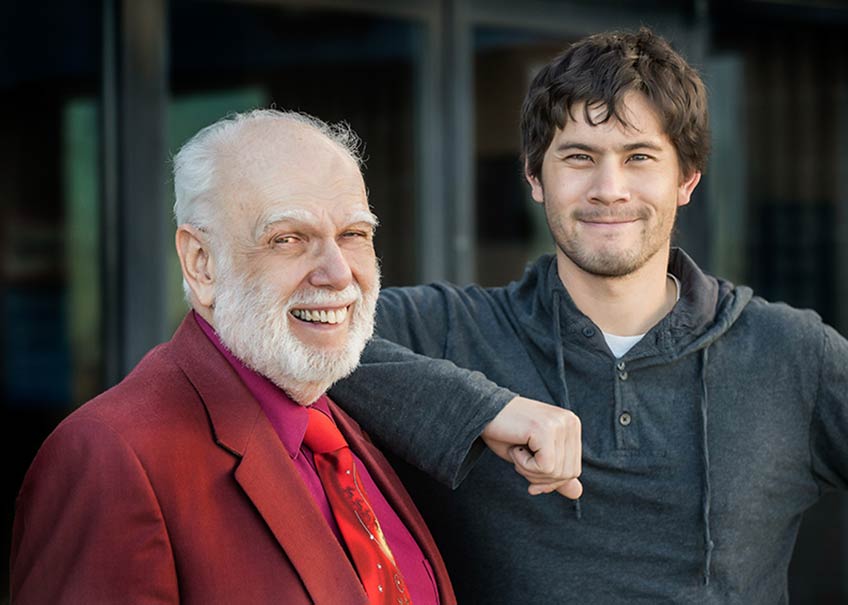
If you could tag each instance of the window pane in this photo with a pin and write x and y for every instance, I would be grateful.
(511, 228)
(50, 349)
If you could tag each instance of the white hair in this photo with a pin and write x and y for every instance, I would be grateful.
(196, 165)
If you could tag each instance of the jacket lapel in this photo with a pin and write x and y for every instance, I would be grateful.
(265, 472)
(273, 483)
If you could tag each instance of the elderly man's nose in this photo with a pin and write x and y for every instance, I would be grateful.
(331, 268)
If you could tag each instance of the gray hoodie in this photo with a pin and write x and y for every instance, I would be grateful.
(702, 446)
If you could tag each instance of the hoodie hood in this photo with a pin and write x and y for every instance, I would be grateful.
(707, 308)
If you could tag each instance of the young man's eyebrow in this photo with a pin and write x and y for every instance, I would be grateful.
(568, 145)
(642, 145)
(575, 145)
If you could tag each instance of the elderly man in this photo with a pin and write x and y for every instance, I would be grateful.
(218, 471)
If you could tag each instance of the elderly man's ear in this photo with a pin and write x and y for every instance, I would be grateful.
(197, 263)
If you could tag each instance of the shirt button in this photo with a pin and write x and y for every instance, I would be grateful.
(625, 419)
(623, 375)
(588, 331)
(621, 365)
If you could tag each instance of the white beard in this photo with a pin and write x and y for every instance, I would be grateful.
(254, 325)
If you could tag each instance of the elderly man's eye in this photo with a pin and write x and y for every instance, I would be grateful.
(356, 234)
(286, 239)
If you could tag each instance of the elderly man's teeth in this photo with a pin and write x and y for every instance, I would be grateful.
(332, 316)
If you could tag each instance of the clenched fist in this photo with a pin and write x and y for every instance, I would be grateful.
(542, 441)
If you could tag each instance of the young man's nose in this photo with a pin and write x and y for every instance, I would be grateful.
(609, 185)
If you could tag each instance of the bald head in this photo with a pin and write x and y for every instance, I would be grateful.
(241, 148)
(282, 163)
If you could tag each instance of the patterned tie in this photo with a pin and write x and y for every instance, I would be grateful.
(371, 555)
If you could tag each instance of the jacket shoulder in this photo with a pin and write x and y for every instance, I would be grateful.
(154, 400)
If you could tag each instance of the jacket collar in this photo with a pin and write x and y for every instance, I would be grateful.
(264, 470)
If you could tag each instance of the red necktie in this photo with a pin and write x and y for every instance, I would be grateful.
(359, 527)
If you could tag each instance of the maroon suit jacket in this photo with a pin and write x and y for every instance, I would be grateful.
(173, 487)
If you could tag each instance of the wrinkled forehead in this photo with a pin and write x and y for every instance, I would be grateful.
(268, 146)
(281, 165)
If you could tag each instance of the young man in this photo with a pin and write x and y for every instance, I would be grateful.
(218, 471)
(711, 419)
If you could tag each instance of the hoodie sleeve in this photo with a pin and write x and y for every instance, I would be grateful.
(829, 430)
(415, 403)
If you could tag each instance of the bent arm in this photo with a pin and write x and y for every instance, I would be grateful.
(433, 412)
(428, 411)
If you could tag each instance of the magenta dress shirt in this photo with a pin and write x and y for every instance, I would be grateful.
(289, 421)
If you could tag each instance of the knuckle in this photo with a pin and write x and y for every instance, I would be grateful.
(548, 423)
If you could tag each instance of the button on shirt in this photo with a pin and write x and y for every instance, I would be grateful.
(289, 420)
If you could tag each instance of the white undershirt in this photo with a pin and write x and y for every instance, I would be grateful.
(619, 345)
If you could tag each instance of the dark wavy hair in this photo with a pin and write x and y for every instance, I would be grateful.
(599, 71)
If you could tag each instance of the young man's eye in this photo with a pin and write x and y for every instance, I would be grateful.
(580, 157)
(639, 157)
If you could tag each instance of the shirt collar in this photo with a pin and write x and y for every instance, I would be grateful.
(288, 418)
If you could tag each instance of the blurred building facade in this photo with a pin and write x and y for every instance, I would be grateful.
(98, 94)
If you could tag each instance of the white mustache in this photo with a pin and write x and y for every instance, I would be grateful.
(351, 294)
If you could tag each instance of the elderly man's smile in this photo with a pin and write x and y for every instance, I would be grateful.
(329, 316)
